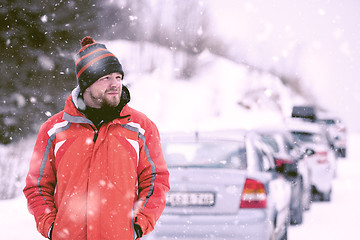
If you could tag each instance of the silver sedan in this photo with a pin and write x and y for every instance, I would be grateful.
(223, 186)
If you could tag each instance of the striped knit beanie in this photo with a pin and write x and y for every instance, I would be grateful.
(94, 61)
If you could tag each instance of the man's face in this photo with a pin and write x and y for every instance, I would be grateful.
(106, 91)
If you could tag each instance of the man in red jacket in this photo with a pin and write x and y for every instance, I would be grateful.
(97, 170)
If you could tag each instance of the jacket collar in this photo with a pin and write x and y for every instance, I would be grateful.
(74, 104)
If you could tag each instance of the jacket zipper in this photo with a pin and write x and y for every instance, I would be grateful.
(97, 131)
(95, 135)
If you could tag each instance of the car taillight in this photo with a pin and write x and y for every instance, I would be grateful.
(342, 129)
(253, 195)
(322, 157)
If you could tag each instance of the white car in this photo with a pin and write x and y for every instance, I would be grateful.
(337, 132)
(224, 185)
(323, 162)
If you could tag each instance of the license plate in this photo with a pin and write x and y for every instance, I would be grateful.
(183, 199)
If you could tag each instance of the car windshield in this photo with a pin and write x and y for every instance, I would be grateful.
(209, 154)
(309, 137)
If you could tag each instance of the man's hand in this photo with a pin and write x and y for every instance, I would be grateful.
(138, 230)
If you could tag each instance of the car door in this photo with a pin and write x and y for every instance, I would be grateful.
(279, 188)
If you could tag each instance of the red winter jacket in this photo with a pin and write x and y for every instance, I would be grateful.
(96, 187)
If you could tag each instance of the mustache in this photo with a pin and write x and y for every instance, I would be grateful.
(113, 89)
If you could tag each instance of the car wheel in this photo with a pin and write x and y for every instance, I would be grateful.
(343, 152)
(326, 197)
(297, 218)
(308, 197)
(284, 237)
(307, 200)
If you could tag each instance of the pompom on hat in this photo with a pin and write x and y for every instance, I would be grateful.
(94, 61)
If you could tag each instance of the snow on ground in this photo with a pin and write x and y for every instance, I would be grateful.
(16, 223)
(338, 219)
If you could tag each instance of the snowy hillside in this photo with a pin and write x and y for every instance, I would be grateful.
(318, 41)
(222, 92)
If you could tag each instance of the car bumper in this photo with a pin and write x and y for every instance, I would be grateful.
(321, 178)
(253, 225)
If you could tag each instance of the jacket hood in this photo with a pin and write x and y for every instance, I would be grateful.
(79, 103)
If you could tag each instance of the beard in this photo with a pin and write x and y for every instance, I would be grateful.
(107, 99)
(110, 101)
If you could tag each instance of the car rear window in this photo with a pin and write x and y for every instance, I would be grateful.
(211, 154)
(328, 121)
(309, 137)
(271, 141)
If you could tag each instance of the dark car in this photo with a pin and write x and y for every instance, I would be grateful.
(290, 163)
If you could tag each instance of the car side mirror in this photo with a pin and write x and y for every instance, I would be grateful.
(309, 152)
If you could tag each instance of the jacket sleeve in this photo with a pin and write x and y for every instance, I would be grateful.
(153, 180)
(40, 183)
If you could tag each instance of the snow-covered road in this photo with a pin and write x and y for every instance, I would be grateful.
(340, 218)
(335, 220)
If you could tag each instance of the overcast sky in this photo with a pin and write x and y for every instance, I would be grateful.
(317, 39)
